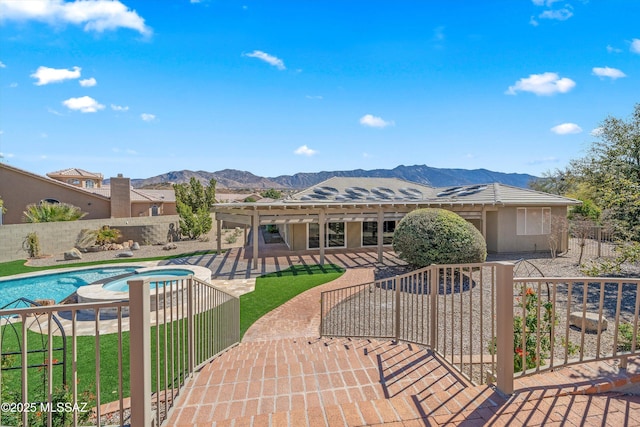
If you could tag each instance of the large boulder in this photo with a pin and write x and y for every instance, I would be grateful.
(72, 254)
(590, 321)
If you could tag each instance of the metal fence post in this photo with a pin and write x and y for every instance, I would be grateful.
(140, 352)
(504, 326)
(434, 273)
(190, 328)
(397, 283)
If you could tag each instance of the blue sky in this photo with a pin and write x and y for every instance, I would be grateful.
(277, 87)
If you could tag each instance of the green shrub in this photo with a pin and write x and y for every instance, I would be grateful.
(437, 236)
(107, 235)
(52, 212)
(31, 244)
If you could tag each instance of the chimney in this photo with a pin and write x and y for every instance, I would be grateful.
(120, 197)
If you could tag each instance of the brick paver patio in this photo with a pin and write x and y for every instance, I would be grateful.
(282, 374)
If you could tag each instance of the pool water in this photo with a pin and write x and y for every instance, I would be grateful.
(120, 285)
(56, 286)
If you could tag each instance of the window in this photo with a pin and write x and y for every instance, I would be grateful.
(89, 183)
(73, 181)
(370, 233)
(533, 221)
(334, 236)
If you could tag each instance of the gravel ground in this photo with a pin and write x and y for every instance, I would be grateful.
(145, 251)
(464, 324)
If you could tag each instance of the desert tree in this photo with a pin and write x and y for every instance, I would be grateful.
(193, 203)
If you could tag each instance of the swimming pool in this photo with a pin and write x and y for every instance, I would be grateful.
(120, 285)
(56, 286)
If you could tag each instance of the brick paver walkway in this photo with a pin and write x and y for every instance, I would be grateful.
(282, 374)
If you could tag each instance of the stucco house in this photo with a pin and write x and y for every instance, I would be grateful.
(352, 213)
(19, 188)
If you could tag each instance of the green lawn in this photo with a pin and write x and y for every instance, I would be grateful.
(272, 290)
(17, 267)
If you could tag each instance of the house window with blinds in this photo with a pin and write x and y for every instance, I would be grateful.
(534, 221)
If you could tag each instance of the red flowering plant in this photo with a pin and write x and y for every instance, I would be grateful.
(533, 322)
(536, 320)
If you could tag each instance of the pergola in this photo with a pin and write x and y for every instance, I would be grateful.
(254, 215)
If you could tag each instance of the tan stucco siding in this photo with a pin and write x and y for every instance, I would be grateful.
(492, 232)
(19, 190)
(298, 237)
(510, 241)
(354, 232)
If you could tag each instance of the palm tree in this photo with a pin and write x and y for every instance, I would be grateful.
(52, 212)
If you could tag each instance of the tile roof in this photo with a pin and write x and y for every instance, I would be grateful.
(393, 190)
(75, 172)
(138, 195)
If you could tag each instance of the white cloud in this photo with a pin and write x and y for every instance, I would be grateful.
(596, 131)
(127, 151)
(13, 84)
(84, 104)
(148, 117)
(542, 84)
(566, 129)
(2, 65)
(46, 75)
(305, 151)
(544, 2)
(6, 155)
(438, 33)
(533, 21)
(52, 111)
(543, 161)
(612, 73)
(314, 97)
(88, 82)
(612, 49)
(269, 59)
(374, 121)
(635, 46)
(119, 107)
(558, 15)
(96, 15)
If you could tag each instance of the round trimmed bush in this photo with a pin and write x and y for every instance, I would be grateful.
(437, 236)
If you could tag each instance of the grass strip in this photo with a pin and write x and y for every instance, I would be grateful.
(274, 289)
(18, 267)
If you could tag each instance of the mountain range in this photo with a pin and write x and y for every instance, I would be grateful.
(423, 174)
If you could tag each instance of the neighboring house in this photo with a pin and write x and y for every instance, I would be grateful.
(78, 177)
(19, 188)
(353, 213)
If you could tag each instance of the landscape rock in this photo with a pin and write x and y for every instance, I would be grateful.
(135, 246)
(170, 246)
(125, 254)
(590, 321)
(72, 254)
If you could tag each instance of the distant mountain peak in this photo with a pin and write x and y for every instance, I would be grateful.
(422, 174)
